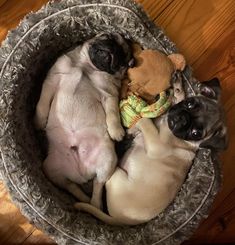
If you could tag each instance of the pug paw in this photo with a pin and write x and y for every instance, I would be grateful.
(116, 133)
(133, 131)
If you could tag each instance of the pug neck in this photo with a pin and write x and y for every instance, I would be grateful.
(102, 81)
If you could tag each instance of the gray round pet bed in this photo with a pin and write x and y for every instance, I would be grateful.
(25, 57)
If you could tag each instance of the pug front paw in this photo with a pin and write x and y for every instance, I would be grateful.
(116, 132)
(133, 131)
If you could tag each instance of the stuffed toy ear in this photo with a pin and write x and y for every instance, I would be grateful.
(178, 60)
(136, 50)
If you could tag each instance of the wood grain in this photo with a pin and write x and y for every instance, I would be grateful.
(2, 2)
(204, 31)
(154, 8)
(196, 24)
(14, 228)
(12, 11)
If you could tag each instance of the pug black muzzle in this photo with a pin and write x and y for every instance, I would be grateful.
(200, 118)
(111, 53)
(189, 120)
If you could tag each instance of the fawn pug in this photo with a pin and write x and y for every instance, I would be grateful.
(78, 108)
(153, 170)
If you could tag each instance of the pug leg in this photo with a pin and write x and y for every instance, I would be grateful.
(153, 144)
(96, 199)
(76, 191)
(105, 167)
(56, 168)
(113, 121)
(44, 103)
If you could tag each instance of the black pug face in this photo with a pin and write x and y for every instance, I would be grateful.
(194, 118)
(110, 53)
(200, 118)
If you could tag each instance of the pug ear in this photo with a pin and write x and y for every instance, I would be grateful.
(211, 89)
(218, 141)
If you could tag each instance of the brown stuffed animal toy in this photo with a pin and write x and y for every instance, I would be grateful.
(152, 73)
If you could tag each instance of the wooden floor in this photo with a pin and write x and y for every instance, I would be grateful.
(204, 31)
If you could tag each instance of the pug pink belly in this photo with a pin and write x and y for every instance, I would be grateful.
(81, 149)
(88, 147)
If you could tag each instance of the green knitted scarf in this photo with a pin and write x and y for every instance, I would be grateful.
(133, 108)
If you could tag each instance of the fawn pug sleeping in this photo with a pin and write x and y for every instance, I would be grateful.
(155, 167)
(78, 108)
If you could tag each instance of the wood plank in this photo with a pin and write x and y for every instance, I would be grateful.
(37, 237)
(195, 24)
(13, 226)
(2, 2)
(154, 8)
(12, 11)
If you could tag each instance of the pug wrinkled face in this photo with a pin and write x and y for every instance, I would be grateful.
(200, 118)
(110, 53)
(193, 118)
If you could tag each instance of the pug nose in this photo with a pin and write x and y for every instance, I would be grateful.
(181, 120)
(184, 119)
(176, 118)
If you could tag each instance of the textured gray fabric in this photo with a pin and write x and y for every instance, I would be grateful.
(25, 57)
